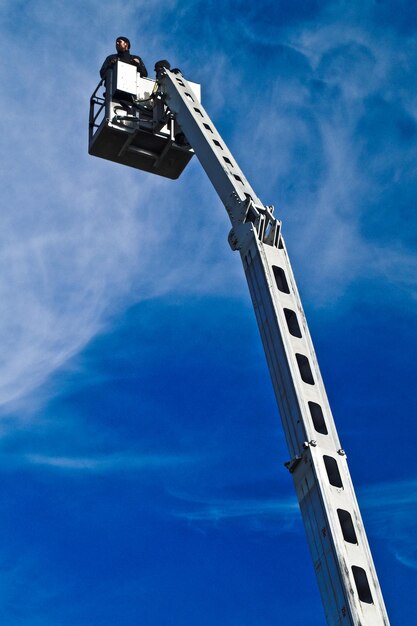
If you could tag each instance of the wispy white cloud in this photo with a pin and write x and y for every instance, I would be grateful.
(96, 464)
(217, 510)
(310, 120)
(390, 511)
(81, 238)
(390, 494)
(24, 587)
(269, 514)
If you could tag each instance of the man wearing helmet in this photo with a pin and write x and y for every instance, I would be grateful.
(123, 54)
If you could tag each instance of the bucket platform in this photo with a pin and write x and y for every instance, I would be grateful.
(124, 129)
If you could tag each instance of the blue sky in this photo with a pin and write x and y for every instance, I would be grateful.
(141, 449)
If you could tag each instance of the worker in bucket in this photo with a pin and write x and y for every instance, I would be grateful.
(123, 54)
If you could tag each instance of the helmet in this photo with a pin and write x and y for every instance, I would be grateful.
(159, 65)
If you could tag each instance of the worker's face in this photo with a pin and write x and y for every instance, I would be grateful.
(121, 45)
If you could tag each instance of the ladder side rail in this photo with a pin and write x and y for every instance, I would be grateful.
(344, 567)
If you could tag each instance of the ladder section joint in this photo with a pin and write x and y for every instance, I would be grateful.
(264, 223)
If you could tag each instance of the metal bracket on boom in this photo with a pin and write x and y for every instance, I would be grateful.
(292, 465)
(261, 220)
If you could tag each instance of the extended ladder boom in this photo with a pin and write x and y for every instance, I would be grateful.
(342, 560)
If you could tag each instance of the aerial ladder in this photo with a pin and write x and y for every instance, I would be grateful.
(157, 126)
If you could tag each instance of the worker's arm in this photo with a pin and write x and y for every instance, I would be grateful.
(141, 66)
(108, 62)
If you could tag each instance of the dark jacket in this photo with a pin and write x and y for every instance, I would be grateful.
(126, 57)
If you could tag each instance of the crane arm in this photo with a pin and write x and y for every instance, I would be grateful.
(342, 559)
